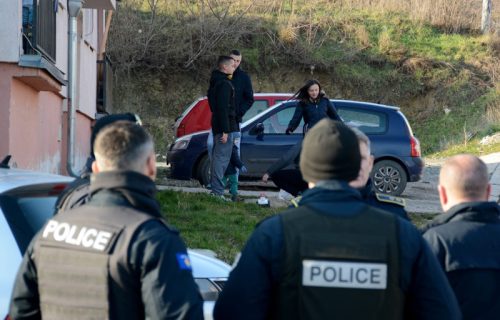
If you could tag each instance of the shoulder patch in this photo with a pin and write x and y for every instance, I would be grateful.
(390, 199)
(183, 261)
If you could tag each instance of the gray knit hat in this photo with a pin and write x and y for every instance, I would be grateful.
(330, 152)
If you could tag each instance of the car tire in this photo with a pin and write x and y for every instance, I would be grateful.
(389, 177)
(203, 171)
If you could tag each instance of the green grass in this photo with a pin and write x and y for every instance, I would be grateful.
(472, 147)
(207, 223)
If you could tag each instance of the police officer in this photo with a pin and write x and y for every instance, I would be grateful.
(335, 257)
(363, 182)
(114, 257)
(465, 239)
(77, 192)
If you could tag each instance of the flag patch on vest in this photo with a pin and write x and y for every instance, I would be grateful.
(183, 261)
(336, 274)
(81, 236)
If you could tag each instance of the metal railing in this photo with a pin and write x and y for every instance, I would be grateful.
(39, 27)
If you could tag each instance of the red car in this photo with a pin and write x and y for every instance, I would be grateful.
(197, 116)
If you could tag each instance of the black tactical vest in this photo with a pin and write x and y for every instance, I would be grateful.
(81, 259)
(340, 267)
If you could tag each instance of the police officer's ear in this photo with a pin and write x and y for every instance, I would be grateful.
(95, 167)
(371, 160)
(150, 169)
(443, 197)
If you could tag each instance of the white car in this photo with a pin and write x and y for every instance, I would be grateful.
(27, 200)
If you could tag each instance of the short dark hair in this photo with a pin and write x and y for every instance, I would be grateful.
(223, 60)
(236, 52)
(123, 145)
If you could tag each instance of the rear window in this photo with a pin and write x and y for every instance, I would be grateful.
(370, 122)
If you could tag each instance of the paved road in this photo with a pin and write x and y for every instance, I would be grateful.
(421, 197)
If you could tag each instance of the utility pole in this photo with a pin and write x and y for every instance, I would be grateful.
(486, 16)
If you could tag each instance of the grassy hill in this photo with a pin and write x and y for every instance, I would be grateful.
(428, 58)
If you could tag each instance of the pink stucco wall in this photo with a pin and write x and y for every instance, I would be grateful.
(4, 108)
(33, 127)
(35, 140)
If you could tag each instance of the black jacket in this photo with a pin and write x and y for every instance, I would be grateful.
(312, 112)
(466, 242)
(221, 95)
(234, 162)
(161, 285)
(243, 92)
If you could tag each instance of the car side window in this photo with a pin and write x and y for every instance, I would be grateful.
(257, 107)
(370, 122)
(278, 122)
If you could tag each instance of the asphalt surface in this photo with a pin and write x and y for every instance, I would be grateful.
(421, 197)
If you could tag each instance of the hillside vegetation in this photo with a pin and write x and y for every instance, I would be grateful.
(427, 57)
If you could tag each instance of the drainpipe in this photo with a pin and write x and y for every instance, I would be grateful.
(74, 7)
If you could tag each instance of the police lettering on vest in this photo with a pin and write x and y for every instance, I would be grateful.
(81, 236)
(358, 275)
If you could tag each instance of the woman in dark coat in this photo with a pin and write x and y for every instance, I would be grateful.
(313, 106)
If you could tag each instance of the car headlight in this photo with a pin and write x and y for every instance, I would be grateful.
(181, 143)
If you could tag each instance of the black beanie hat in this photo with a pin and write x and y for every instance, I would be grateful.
(330, 152)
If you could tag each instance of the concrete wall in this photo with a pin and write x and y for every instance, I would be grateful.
(5, 79)
(87, 41)
(62, 41)
(35, 124)
(10, 30)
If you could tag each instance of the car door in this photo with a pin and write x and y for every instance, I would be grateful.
(259, 151)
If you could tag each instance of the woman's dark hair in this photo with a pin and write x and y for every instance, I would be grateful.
(303, 95)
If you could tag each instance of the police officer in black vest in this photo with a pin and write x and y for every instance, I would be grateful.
(114, 257)
(466, 238)
(335, 257)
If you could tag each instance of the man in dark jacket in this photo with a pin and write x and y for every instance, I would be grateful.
(363, 183)
(224, 122)
(334, 256)
(465, 239)
(114, 257)
(243, 98)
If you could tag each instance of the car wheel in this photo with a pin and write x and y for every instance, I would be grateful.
(389, 177)
(203, 171)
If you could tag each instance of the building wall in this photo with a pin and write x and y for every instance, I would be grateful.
(35, 118)
(87, 80)
(10, 26)
(61, 41)
(33, 124)
(5, 69)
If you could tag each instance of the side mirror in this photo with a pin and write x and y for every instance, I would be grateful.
(257, 130)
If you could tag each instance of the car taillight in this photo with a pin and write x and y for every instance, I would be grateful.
(415, 147)
(181, 131)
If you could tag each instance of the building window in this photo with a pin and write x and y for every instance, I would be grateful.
(39, 27)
